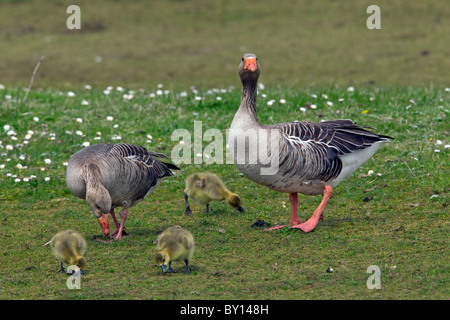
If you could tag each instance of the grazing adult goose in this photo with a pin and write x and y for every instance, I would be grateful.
(115, 175)
(307, 158)
(69, 247)
(174, 244)
(205, 187)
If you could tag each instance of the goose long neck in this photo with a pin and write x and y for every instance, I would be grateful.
(248, 101)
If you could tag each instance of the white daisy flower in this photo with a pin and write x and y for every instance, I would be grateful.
(71, 94)
(47, 178)
(109, 118)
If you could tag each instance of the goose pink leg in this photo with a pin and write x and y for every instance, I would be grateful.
(293, 199)
(311, 223)
(118, 233)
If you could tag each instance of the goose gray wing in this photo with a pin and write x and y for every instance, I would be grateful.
(138, 153)
(311, 151)
(154, 169)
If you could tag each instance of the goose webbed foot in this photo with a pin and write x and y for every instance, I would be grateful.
(276, 227)
(124, 233)
(188, 211)
(61, 269)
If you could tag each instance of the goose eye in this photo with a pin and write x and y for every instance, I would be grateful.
(97, 206)
(243, 59)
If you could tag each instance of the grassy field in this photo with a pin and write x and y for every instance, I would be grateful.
(396, 218)
(198, 42)
(139, 70)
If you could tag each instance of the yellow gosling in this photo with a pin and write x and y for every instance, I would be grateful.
(174, 244)
(69, 247)
(205, 187)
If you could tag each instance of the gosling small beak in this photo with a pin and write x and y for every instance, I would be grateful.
(250, 64)
(240, 209)
(163, 268)
(104, 223)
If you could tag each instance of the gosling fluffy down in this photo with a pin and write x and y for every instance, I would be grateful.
(205, 187)
(174, 244)
(69, 247)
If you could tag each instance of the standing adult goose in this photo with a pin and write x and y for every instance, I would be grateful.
(307, 158)
(110, 176)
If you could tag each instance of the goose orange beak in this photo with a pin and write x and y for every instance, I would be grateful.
(250, 64)
(104, 223)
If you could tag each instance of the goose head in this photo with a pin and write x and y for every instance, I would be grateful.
(249, 68)
(162, 259)
(78, 261)
(235, 202)
(100, 202)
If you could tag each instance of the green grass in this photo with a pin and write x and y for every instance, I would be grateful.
(199, 42)
(397, 220)
(403, 228)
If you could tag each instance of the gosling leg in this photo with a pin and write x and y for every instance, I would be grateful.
(187, 209)
(61, 269)
(187, 267)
